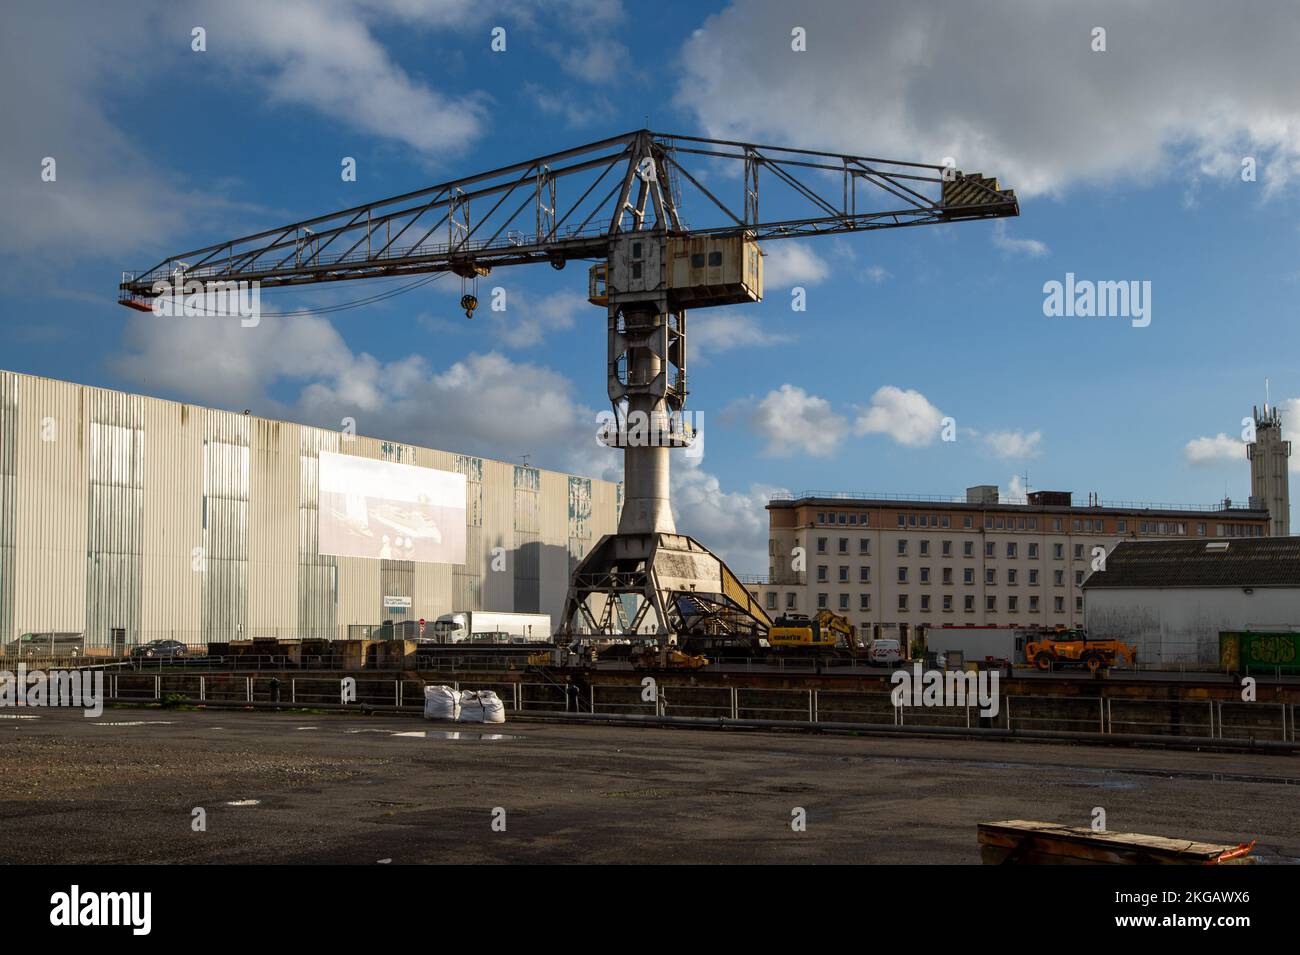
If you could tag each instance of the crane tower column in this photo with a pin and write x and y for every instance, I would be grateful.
(647, 580)
(640, 378)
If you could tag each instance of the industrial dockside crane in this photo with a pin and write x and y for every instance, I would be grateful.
(624, 204)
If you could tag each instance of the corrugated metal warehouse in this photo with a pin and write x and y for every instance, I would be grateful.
(171, 520)
(1172, 599)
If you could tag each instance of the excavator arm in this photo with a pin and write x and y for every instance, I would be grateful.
(833, 622)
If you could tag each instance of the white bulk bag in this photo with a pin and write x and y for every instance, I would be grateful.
(441, 703)
(494, 711)
(481, 706)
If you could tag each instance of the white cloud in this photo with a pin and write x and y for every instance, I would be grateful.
(1182, 90)
(1030, 247)
(1013, 444)
(217, 361)
(63, 70)
(326, 57)
(788, 262)
(525, 322)
(1015, 492)
(110, 198)
(711, 330)
(482, 404)
(598, 62)
(576, 111)
(907, 416)
(1208, 451)
(877, 273)
(794, 421)
(733, 524)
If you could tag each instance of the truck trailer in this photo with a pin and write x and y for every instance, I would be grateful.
(981, 644)
(488, 627)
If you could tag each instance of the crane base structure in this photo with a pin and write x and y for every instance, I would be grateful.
(667, 588)
(620, 202)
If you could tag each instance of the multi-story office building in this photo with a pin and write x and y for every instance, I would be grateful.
(890, 564)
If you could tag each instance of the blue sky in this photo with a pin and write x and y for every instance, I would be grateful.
(1127, 162)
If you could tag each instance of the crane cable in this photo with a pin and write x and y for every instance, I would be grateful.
(345, 306)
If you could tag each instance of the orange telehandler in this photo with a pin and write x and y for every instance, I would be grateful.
(1074, 648)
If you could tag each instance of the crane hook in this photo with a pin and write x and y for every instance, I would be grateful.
(469, 303)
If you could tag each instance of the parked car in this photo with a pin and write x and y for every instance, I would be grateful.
(159, 649)
(884, 653)
(45, 644)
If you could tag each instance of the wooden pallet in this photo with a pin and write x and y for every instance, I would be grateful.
(1022, 842)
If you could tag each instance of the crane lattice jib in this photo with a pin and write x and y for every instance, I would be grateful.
(569, 204)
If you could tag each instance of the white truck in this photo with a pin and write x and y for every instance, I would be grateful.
(490, 627)
(981, 644)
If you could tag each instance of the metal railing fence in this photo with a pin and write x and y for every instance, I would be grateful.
(1090, 715)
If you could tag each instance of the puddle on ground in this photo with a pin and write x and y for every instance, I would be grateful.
(455, 734)
(244, 802)
(1102, 784)
(17, 716)
(135, 723)
(306, 727)
(1194, 775)
(1211, 777)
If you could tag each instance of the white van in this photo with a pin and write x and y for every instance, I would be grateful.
(885, 652)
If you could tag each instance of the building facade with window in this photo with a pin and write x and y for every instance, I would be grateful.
(890, 565)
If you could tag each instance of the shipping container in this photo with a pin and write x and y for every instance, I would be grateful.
(1243, 651)
(1004, 644)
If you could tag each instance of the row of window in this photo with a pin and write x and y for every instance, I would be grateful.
(932, 520)
(947, 602)
(968, 576)
(1094, 525)
(1011, 548)
(1238, 530)
(842, 518)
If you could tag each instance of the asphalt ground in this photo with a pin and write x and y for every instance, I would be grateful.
(308, 788)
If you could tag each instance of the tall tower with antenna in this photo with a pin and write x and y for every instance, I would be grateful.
(1269, 485)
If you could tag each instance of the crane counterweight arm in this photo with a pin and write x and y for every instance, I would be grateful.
(569, 204)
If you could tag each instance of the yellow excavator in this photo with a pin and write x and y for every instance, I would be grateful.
(822, 634)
